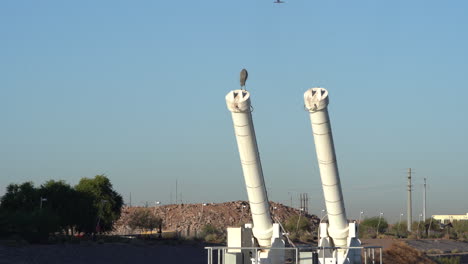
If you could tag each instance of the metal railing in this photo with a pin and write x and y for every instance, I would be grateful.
(219, 253)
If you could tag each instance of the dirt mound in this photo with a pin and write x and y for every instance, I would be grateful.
(189, 219)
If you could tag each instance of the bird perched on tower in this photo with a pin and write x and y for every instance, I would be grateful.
(243, 77)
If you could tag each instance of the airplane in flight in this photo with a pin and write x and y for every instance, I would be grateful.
(278, 2)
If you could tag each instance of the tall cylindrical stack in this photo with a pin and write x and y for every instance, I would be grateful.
(238, 102)
(316, 101)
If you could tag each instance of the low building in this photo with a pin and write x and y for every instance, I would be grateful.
(445, 219)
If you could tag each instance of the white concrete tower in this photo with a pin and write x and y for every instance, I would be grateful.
(316, 101)
(238, 102)
(337, 232)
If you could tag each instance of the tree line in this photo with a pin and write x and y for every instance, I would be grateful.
(429, 228)
(55, 207)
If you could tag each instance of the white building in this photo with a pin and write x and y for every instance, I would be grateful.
(445, 219)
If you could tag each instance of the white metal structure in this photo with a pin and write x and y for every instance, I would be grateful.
(261, 242)
(264, 231)
(337, 232)
(297, 255)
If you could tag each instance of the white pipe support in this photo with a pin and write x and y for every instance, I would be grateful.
(238, 102)
(316, 102)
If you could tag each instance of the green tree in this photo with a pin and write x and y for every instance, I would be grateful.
(34, 226)
(370, 227)
(21, 214)
(86, 214)
(23, 196)
(34, 213)
(106, 201)
(297, 223)
(61, 199)
(5, 227)
(399, 229)
(299, 228)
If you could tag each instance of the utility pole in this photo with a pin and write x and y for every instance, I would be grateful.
(424, 201)
(176, 192)
(409, 212)
(304, 202)
(300, 202)
(130, 199)
(307, 203)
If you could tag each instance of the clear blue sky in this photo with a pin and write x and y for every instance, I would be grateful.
(135, 90)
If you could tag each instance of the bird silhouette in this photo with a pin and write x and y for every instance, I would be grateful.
(243, 77)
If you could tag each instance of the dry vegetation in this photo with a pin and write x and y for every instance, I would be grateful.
(401, 253)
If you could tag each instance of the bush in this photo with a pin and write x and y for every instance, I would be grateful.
(211, 234)
(144, 219)
(459, 230)
(464, 237)
(305, 237)
(209, 229)
(434, 251)
(211, 238)
(401, 253)
(399, 230)
(33, 226)
(367, 232)
(297, 223)
(368, 227)
(169, 235)
(449, 260)
(299, 228)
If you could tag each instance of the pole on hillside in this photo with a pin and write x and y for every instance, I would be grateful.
(424, 201)
(409, 213)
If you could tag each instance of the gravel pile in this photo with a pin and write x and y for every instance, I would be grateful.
(189, 219)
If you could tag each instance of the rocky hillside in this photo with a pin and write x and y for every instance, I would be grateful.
(189, 219)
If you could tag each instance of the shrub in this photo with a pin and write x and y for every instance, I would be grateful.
(211, 234)
(297, 223)
(367, 232)
(434, 251)
(144, 219)
(399, 230)
(34, 226)
(299, 228)
(209, 229)
(169, 235)
(401, 253)
(305, 237)
(294, 236)
(449, 260)
(369, 226)
(211, 238)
